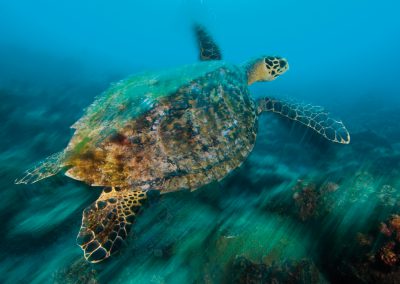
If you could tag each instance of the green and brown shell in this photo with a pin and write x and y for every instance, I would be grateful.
(166, 131)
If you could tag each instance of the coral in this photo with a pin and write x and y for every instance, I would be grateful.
(395, 223)
(306, 199)
(311, 199)
(375, 257)
(364, 240)
(386, 254)
(287, 271)
(79, 271)
(361, 188)
(388, 196)
(385, 245)
(392, 228)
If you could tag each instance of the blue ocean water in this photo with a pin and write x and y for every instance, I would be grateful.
(299, 210)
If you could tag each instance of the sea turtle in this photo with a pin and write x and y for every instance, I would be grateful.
(167, 131)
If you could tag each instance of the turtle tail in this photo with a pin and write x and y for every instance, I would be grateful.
(43, 169)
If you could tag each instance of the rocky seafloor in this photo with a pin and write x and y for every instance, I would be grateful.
(299, 210)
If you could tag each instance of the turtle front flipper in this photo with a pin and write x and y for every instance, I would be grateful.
(314, 117)
(107, 221)
(209, 50)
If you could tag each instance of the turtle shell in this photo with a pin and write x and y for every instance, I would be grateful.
(167, 131)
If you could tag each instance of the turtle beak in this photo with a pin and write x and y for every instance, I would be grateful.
(283, 65)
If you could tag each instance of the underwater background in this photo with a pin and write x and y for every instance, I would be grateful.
(299, 210)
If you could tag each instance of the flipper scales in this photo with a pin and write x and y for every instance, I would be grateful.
(107, 222)
(314, 117)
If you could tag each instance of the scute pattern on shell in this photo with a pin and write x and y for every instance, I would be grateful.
(190, 138)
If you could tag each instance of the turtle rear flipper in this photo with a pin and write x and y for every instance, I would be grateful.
(314, 117)
(209, 50)
(43, 169)
(107, 221)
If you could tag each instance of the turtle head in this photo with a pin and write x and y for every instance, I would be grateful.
(265, 68)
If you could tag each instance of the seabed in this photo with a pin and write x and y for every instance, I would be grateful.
(299, 210)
